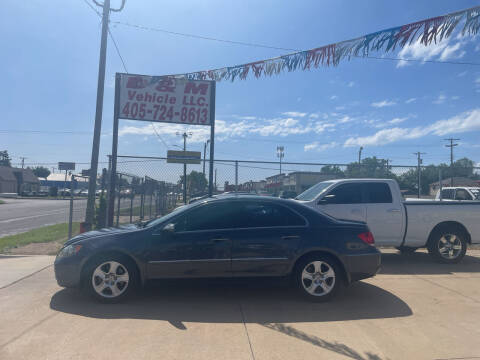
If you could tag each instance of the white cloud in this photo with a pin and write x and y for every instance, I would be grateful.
(340, 108)
(294, 114)
(319, 147)
(397, 120)
(410, 100)
(333, 97)
(351, 84)
(440, 99)
(345, 119)
(443, 50)
(455, 97)
(313, 116)
(383, 103)
(465, 122)
(463, 73)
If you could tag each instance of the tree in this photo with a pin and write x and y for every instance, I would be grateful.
(196, 182)
(371, 167)
(5, 159)
(333, 170)
(41, 171)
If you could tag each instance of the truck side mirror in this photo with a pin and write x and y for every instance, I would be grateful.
(327, 199)
(169, 228)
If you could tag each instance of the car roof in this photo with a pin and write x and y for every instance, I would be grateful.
(357, 179)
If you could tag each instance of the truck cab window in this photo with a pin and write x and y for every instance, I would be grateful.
(345, 194)
(378, 193)
(462, 194)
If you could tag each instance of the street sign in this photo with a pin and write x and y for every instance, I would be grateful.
(66, 166)
(184, 157)
(86, 172)
(165, 99)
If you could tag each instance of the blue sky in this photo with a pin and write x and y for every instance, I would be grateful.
(49, 66)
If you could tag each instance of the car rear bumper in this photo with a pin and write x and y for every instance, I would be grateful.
(362, 266)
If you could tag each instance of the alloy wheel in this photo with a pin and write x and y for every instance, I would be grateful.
(449, 246)
(318, 278)
(110, 279)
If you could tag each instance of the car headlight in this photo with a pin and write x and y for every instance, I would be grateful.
(69, 251)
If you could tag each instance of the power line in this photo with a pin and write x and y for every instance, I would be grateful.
(158, 135)
(118, 50)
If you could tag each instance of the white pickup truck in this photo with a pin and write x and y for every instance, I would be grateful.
(444, 227)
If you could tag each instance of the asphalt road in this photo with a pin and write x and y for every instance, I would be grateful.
(414, 309)
(20, 215)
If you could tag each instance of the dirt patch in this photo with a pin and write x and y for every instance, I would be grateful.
(48, 248)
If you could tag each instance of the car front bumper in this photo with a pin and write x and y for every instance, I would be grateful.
(362, 266)
(68, 271)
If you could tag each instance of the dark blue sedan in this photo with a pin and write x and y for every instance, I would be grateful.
(237, 236)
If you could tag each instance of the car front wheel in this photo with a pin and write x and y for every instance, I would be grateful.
(318, 278)
(110, 279)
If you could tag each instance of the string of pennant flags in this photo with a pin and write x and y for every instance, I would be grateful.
(425, 31)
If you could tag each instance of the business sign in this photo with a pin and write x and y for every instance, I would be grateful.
(165, 99)
(184, 157)
(66, 166)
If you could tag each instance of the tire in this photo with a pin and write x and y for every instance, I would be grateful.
(406, 250)
(110, 278)
(318, 277)
(448, 245)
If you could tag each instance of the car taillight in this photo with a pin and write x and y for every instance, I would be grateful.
(367, 238)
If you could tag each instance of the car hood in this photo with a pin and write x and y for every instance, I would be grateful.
(102, 232)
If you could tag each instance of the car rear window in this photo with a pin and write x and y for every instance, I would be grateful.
(264, 214)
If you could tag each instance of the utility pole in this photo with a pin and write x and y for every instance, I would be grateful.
(185, 136)
(90, 212)
(360, 155)
(419, 163)
(451, 146)
(23, 161)
(280, 155)
(204, 154)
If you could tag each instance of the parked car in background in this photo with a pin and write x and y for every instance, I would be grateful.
(444, 227)
(459, 193)
(236, 236)
(287, 194)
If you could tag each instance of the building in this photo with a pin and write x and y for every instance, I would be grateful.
(274, 184)
(17, 180)
(299, 181)
(59, 181)
(457, 181)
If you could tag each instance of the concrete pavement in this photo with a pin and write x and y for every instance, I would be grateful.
(414, 309)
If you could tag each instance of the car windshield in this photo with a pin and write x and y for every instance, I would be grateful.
(476, 193)
(314, 191)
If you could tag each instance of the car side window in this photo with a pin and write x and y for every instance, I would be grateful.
(462, 194)
(448, 194)
(211, 216)
(378, 193)
(259, 214)
(345, 194)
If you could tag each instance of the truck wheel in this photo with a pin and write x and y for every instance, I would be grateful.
(406, 250)
(448, 245)
(318, 277)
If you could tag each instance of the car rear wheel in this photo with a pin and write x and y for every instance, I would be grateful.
(110, 278)
(318, 278)
(448, 245)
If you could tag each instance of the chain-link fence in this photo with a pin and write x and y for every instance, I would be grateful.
(287, 179)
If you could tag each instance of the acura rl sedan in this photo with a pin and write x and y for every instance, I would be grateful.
(237, 236)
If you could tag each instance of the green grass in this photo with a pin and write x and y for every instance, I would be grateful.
(2, 202)
(44, 234)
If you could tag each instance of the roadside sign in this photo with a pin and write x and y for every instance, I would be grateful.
(165, 99)
(66, 166)
(184, 157)
(86, 172)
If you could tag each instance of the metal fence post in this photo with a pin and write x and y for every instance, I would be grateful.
(142, 198)
(236, 175)
(70, 216)
(132, 195)
(119, 198)
(440, 182)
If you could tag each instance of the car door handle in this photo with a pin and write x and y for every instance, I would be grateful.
(290, 237)
(393, 210)
(219, 240)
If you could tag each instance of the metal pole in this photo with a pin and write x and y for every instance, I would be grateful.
(440, 182)
(212, 138)
(113, 170)
(119, 198)
(204, 154)
(132, 195)
(89, 215)
(70, 216)
(142, 199)
(185, 170)
(236, 175)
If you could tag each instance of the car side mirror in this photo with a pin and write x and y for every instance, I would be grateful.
(327, 199)
(169, 228)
